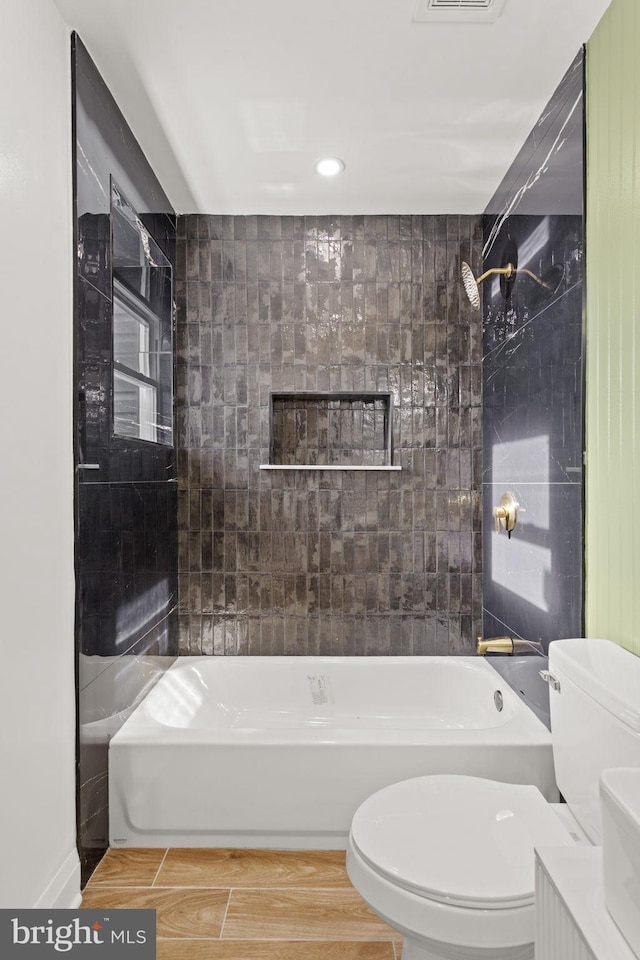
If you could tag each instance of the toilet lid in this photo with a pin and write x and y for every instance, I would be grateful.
(459, 840)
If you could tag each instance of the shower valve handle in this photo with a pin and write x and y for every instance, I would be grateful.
(506, 513)
(500, 513)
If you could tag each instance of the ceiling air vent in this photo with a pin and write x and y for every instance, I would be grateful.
(457, 11)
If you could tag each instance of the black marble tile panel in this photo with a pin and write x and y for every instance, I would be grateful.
(126, 508)
(107, 144)
(533, 581)
(533, 379)
(94, 251)
(542, 176)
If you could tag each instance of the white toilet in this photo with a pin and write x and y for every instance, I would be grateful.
(449, 860)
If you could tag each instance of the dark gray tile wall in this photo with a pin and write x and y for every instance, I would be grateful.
(533, 381)
(328, 562)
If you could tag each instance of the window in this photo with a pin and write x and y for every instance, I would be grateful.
(142, 329)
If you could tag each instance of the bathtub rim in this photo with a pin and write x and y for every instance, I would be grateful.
(141, 728)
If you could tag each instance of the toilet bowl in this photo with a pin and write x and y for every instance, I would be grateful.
(448, 861)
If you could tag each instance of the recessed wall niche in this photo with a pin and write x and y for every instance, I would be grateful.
(325, 429)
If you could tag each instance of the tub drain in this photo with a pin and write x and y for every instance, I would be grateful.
(497, 699)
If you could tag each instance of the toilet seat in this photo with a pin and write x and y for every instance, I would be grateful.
(458, 840)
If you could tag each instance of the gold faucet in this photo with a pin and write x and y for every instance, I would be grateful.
(494, 645)
(508, 645)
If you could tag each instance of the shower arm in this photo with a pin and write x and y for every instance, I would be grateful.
(534, 277)
(509, 271)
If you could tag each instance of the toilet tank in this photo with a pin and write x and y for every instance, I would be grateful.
(595, 720)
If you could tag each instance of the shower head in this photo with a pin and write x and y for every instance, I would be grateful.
(472, 283)
(550, 282)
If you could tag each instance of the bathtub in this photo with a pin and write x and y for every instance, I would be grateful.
(110, 689)
(280, 751)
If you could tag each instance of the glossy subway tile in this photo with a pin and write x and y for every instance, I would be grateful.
(323, 304)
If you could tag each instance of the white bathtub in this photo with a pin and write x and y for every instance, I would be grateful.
(280, 751)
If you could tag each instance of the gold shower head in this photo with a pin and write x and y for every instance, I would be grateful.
(471, 283)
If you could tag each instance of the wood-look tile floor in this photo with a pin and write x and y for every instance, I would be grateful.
(245, 904)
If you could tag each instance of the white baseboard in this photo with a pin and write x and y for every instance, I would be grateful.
(63, 892)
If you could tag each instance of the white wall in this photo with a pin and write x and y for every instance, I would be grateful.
(38, 860)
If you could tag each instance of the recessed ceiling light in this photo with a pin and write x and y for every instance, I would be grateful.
(329, 166)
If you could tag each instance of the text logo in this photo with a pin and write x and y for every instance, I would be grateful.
(79, 934)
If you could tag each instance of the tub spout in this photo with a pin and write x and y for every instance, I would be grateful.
(494, 645)
(508, 645)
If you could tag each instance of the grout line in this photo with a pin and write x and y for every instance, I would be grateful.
(225, 886)
(190, 939)
(324, 938)
(226, 911)
(291, 888)
(287, 940)
(122, 886)
(160, 867)
(169, 886)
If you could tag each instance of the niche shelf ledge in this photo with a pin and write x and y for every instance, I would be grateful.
(328, 466)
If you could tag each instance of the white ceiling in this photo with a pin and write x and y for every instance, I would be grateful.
(233, 101)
